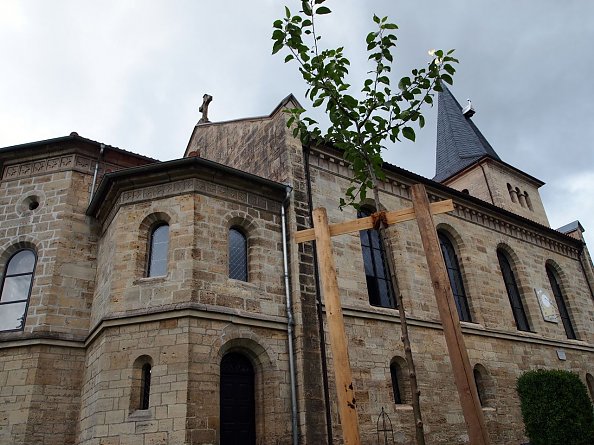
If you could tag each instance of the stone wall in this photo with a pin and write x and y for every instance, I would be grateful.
(492, 339)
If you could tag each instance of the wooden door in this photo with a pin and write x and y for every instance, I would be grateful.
(238, 420)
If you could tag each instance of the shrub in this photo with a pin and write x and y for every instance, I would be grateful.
(556, 408)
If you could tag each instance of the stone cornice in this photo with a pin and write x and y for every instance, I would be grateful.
(488, 216)
(469, 329)
(189, 185)
(186, 310)
(54, 164)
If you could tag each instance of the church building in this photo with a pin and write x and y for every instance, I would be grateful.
(167, 303)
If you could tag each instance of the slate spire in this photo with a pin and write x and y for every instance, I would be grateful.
(459, 142)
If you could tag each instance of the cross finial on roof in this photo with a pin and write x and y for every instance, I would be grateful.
(206, 99)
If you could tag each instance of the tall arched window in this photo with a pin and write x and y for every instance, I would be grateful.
(560, 299)
(451, 261)
(513, 292)
(379, 285)
(145, 386)
(158, 251)
(237, 255)
(16, 289)
(396, 375)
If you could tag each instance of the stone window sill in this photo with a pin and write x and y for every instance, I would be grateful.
(140, 415)
(151, 280)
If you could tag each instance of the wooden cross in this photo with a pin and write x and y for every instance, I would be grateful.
(421, 211)
(206, 99)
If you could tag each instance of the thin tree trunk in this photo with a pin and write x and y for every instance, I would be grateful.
(414, 387)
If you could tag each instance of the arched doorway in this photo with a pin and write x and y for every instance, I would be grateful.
(238, 420)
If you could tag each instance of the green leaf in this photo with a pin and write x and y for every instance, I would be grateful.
(370, 37)
(323, 10)
(306, 8)
(421, 121)
(390, 26)
(319, 2)
(289, 57)
(408, 133)
(287, 12)
(278, 45)
(278, 35)
(376, 19)
(278, 24)
(447, 78)
(449, 68)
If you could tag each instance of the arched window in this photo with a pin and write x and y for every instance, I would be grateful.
(512, 193)
(455, 275)
(590, 383)
(560, 299)
(478, 381)
(237, 400)
(16, 289)
(484, 385)
(396, 374)
(158, 251)
(513, 292)
(528, 201)
(237, 255)
(379, 285)
(141, 383)
(145, 386)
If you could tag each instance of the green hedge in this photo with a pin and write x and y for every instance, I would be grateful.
(556, 408)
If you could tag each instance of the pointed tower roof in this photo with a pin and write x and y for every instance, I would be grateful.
(459, 142)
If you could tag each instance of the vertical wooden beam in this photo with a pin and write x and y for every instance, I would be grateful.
(463, 375)
(338, 342)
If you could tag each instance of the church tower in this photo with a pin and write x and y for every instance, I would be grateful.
(467, 162)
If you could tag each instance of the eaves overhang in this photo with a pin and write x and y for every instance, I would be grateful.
(116, 182)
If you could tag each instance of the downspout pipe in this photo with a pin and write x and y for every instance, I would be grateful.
(290, 319)
(95, 173)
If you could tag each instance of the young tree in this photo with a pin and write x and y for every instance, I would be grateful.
(361, 126)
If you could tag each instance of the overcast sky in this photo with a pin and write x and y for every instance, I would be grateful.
(132, 74)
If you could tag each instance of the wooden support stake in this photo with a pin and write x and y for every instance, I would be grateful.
(355, 225)
(338, 342)
(463, 375)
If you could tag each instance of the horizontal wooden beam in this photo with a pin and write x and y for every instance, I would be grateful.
(355, 225)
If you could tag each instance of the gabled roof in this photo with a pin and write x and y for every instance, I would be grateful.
(72, 137)
(459, 142)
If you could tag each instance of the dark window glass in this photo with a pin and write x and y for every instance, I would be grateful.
(16, 288)
(453, 267)
(379, 285)
(513, 293)
(569, 331)
(159, 247)
(145, 386)
(395, 373)
(237, 255)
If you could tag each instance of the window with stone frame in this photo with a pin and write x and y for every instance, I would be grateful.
(158, 250)
(238, 254)
(17, 283)
(513, 292)
(455, 275)
(141, 383)
(396, 376)
(379, 285)
(561, 303)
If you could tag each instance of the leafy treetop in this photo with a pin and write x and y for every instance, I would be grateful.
(358, 126)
